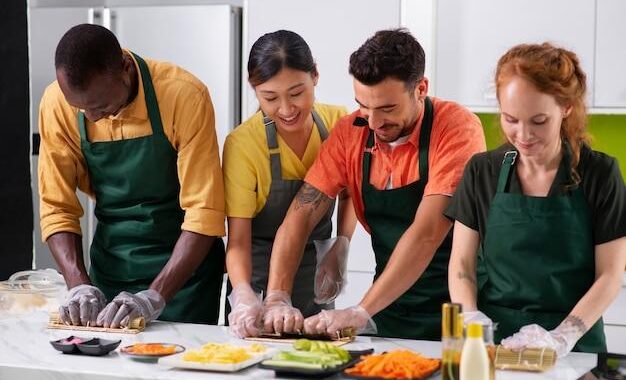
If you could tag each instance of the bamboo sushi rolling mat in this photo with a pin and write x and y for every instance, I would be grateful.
(137, 325)
(529, 359)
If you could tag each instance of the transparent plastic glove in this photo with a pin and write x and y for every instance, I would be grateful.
(82, 305)
(127, 306)
(562, 339)
(567, 334)
(279, 315)
(330, 273)
(330, 321)
(476, 316)
(246, 311)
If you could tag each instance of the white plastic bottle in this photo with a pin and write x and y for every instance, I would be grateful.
(474, 359)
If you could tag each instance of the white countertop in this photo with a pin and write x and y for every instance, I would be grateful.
(25, 354)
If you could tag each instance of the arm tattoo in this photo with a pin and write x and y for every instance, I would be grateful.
(466, 277)
(574, 323)
(309, 196)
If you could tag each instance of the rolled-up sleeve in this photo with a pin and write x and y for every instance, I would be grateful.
(61, 167)
(199, 170)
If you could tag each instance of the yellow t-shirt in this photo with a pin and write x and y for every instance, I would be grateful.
(188, 123)
(246, 167)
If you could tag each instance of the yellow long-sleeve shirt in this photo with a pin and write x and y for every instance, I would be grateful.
(188, 122)
(247, 173)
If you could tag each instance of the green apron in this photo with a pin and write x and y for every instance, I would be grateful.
(538, 255)
(139, 218)
(417, 313)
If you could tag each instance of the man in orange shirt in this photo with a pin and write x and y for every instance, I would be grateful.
(401, 156)
(139, 137)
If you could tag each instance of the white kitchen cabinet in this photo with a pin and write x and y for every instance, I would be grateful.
(471, 35)
(615, 339)
(610, 90)
(358, 284)
(615, 323)
(361, 257)
(616, 313)
(333, 30)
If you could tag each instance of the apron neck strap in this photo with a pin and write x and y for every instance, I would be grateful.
(82, 129)
(150, 98)
(423, 145)
(505, 170)
(271, 132)
(272, 140)
(321, 126)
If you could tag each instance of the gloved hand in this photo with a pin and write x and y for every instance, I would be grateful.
(82, 305)
(330, 272)
(246, 311)
(562, 339)
(279, 315)
(476, 316)
(127, 306)
(330, 321)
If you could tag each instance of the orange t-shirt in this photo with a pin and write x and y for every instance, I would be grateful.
(455, 137)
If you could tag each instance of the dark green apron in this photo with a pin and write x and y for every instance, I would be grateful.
(417, 313)
(139, 218)
(538, 255)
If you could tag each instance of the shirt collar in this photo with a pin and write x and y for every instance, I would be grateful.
(137, 109)
(413, 138)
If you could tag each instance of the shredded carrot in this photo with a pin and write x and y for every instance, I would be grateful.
(396, 364)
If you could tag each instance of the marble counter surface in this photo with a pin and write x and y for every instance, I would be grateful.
(25, 354)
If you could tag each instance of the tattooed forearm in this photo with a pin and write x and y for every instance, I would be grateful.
(466, 277)
(574, 324)
(310, 197)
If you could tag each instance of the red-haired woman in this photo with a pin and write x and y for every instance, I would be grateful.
(543, 217)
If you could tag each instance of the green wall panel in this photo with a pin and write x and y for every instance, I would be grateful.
(608, 133)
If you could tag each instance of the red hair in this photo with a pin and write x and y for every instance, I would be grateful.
(554, 71)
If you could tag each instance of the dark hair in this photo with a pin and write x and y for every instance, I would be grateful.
(85, 50)
(389, 53)
(554, 71)
(273, 51)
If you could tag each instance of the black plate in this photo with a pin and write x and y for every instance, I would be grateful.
(316, 373)
(98, 347)
(87, 346)
(65, 347)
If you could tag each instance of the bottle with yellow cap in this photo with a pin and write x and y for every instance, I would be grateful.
(474, 358)
(451, 340)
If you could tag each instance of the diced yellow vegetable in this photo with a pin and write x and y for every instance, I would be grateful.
(223, 353)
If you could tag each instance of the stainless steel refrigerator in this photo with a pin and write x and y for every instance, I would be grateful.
(203, 39)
